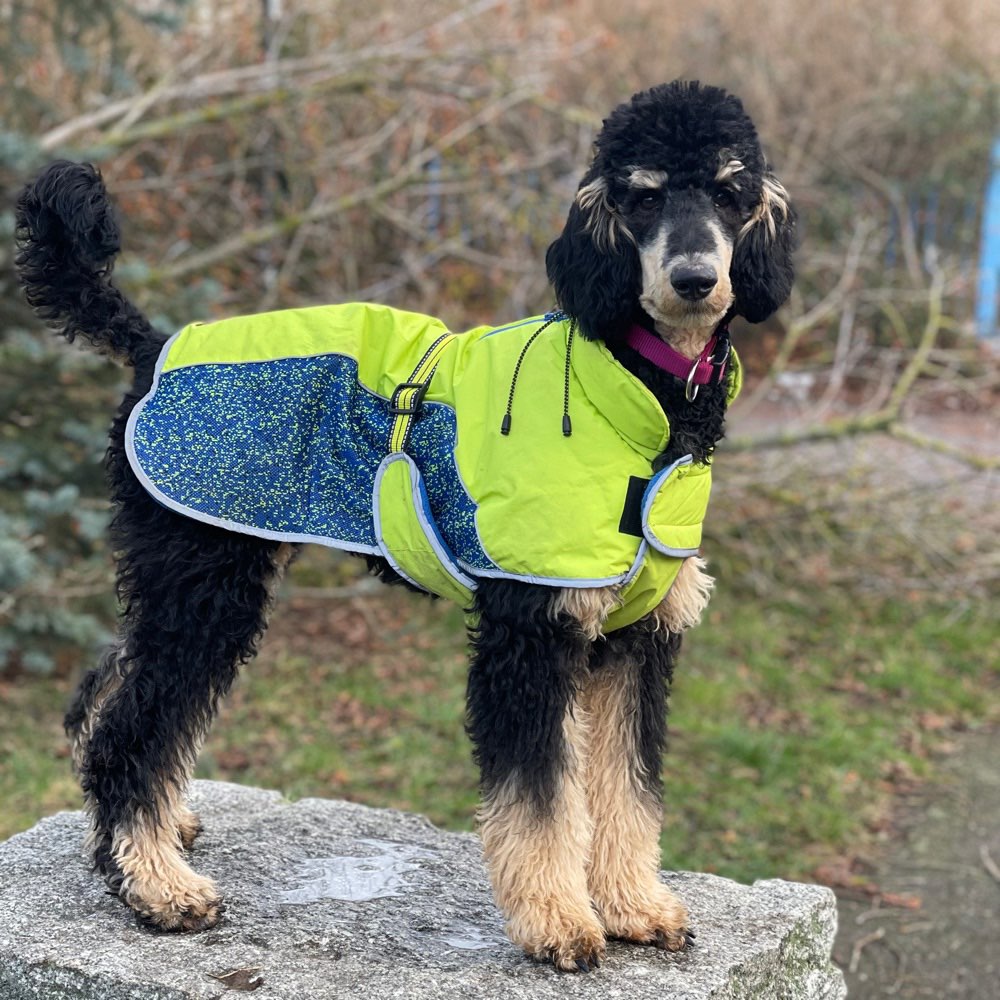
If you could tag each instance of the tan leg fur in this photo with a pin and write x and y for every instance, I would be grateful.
(590, 606)
(537, 865)
(188, 826)
(687, 599)
(158, 884)
(623, 871)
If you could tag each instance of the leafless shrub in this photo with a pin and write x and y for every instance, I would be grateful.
(425, 154)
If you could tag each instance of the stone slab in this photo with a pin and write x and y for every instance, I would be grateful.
(332, 899)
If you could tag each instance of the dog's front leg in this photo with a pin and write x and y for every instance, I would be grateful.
(530, 745)
(624, 698)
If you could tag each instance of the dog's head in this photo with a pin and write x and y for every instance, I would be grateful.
(678, 219)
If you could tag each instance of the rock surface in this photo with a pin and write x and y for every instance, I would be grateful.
(332, 899)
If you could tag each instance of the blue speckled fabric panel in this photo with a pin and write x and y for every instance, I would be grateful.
(292, 446)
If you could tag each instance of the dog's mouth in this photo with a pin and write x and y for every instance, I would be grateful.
(688, 290)
(674, 311)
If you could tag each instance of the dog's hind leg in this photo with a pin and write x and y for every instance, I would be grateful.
(529, 743)
(625, 699)
(196, 601)
(97, 686)
(94, 690)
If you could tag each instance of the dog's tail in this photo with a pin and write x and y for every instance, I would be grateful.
(67, 240)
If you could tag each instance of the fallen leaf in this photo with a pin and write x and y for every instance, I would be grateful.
(905, 901)
(243, 980)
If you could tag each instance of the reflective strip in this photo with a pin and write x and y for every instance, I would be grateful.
(415, 387)
(424, 558)
(669, 478)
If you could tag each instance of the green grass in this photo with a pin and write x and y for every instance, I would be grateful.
(792, 721)
(35, 777)
(379, 720)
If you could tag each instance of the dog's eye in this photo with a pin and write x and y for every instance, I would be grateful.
(650, 201)
(724, 198)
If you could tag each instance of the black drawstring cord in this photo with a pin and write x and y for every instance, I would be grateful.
(567, 426)
(505, 425)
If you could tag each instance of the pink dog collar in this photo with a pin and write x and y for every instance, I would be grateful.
(703, 370)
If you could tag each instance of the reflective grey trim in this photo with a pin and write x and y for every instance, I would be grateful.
(515, 325)
(667, 550)
(652, 490)
(576, 582)
(640, 558)
(447, 560)
(242, 529)
(265, 361)
(550, 581)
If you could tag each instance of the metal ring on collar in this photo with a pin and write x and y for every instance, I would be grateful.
(690, 389)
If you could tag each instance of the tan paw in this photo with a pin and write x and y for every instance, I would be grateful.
(657, 917)
(580, 952)
(188, 828)
(180, 907)
(571, 945)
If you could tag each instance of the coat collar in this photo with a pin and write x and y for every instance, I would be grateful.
(619, 396)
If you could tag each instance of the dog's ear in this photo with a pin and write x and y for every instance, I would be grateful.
(594, 266)
(762, 270)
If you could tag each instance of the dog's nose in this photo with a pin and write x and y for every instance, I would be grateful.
(693, 283)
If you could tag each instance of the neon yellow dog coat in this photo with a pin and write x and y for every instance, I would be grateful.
(375, 430)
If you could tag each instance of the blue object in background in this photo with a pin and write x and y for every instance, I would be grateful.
(988, 295)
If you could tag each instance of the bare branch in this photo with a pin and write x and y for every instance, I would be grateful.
(250, 238)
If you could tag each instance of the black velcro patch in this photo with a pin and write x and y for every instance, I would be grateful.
(631, 522)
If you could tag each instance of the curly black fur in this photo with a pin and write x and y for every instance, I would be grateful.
(195, 598)
(194, 605)
(68, 237)
(515, 710)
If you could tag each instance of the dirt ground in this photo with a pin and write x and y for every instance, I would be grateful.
(945, 868)
(928, 922)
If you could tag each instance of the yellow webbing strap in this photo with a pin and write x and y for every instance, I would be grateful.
(406, 398)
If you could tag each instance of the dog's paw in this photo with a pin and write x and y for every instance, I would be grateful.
(581, 952)
(572, 943)
(180, 907)
(189, 921)
(659, 918)
(188, 828)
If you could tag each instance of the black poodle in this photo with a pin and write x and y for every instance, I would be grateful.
(677, 226)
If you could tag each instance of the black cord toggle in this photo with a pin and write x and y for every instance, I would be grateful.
(567, 424)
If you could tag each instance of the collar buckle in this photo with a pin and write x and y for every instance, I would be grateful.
(721, 362)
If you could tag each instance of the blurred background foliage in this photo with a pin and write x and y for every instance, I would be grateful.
(268, 155)
(275, 154)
